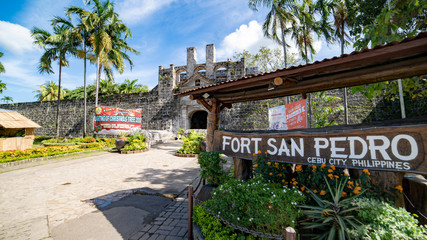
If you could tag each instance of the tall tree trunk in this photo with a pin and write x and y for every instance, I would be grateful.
(98, 73)
(284, 43)
(85, 94)
(345, 89)
(59, 100)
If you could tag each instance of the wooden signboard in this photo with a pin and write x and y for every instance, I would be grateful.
(393, 148)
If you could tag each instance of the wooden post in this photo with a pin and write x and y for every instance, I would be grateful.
(291, 234)
(242, 169)
(190, 212)
(212, 124)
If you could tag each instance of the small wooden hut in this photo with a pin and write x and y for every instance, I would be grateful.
(16, 131)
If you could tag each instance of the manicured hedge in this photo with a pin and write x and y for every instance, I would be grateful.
(10, 156)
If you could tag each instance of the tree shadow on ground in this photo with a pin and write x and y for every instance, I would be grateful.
(121, 213)
(168, 181)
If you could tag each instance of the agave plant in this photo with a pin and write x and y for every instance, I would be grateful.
(332, 219)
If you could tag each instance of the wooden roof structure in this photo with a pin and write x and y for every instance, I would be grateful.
(10, 119)
(382, 63)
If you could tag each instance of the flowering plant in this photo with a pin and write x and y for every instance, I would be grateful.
(269, 171)
(317, 178)
(257, 205)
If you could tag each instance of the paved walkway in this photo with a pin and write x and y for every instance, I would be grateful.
(171, 224)
(35, 200)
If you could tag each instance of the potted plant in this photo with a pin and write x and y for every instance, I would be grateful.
(121, 140)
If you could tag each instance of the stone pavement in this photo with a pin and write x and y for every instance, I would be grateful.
(171, 224)
(37, 199)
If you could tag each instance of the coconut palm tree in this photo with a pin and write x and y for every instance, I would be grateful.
(277, 18)
(108, 87)
(58, 46)
(130, 86)
(7, 99)
(2, 70)
(303, 28)
(107, 38)
(82, 30)
(49, 92)
(340, 22)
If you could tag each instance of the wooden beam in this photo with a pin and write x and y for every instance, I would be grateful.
(400, 52)
(213, 120)
(205, 104)
(278, 81)
(225, 105)
(415, 67)
(304, 95)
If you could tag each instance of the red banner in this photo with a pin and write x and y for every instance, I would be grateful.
(296, 114)
(112, 120)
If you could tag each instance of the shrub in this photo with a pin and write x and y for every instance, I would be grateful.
(383, 221)
(211, 167)
(313, 178)
(332, 218)
(10, 156)
(191, 144)
(257, 205)
(135, 142)
(270, 171)
(109, 142)
(212, 228)
(180, 133)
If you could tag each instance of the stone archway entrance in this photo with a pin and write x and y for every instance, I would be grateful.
(199, 120)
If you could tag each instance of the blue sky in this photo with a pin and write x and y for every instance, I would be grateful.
(162, 30)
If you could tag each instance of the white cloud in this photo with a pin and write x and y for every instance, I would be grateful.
(251, 37)
(133, 11)
(247, 37)
(15, 38)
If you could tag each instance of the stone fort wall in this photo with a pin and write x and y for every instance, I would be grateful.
(163, 114)
(156, 113)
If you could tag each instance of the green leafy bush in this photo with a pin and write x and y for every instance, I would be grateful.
(211, 167)
(257, 205)
(332, 219)
(212, 228)
(326, 107)
(192, 143)
(137, 141)
(270, 171)
(180, 133)
(10, 156)
(317, 179)
(383, 221)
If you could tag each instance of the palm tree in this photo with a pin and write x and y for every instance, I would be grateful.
(108, 87)
(130, 86)
(278, 17)
(49, 92)
(302, 29)
(107, 38)
(82, 30)
(340, 22)
(7, 99)
(2, 70)
(57, 47)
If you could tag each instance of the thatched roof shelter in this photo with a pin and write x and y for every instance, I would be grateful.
(16, 131)
(10, 119)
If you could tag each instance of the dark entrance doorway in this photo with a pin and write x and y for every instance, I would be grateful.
(199, 120)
